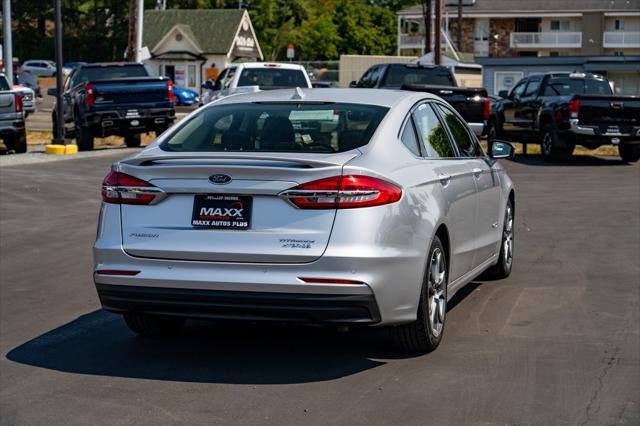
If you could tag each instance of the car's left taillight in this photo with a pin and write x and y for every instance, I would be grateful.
(90, 94)
(170, 93)
(18, 103)
(343, 192)
(121, 188)
(574, 108)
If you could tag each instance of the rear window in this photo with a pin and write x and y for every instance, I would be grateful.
(277, 127)
(4, 84)
(564, 86)
(111, 72)
(272, 78)
(401, 75)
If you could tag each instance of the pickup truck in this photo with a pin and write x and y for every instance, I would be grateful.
(562, 110)
(27, 94)
(12, 127)
(254, 76)
(119, 99)
(472, 103)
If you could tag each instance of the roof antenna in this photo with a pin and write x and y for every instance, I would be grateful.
(298, 94)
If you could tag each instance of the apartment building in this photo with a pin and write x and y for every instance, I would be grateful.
(495, 32)
(493, 28)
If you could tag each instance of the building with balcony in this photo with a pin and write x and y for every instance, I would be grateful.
(532, 28)
(492, 28)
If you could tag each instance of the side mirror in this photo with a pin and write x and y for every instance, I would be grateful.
(504, 94)
(353, 84)
(52, 91)
(501, 149)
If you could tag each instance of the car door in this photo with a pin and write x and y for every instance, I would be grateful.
(528, 106)
(487, 231)
(457, 184)
(512, 125)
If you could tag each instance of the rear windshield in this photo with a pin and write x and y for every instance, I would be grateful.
(564, 86)
(4, 84)
(272, 78)
(401, 75)
(277, 127)
(111, 72)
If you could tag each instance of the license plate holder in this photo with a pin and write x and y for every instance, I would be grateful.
(216, 211)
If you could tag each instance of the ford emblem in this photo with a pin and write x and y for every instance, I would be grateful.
(220, 179)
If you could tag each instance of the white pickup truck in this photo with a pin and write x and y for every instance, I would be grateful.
(254, 76)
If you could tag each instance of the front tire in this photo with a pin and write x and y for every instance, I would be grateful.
(17, 142)
(153, 325)
(629, 153)
(502, 269)
(425, 333)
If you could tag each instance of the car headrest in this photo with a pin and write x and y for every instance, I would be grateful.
(236, 141)
(349, 139)
(277, 133)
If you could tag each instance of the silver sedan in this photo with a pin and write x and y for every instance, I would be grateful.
(332, 206)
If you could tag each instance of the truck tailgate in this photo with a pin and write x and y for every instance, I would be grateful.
(611, 114)
(469, 102)
(121, 93)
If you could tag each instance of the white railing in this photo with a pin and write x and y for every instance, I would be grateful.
(549, 39)
(621, 39)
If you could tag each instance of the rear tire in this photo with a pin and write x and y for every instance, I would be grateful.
(629, 153)
(550, 144)
(17, 142)
(153, 325)
(84, 137)
(132, 141)
(425, 333)
(502, 269)
(492, 134)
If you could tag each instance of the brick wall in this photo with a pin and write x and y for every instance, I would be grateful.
(467, 33)
(503, 27)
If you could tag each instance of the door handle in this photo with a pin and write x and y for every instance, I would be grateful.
(477, 172)
(444, 179)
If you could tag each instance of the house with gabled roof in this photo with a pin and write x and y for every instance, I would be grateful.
(191, 46)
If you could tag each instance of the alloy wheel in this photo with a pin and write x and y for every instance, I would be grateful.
(507, 239)
(437, 295)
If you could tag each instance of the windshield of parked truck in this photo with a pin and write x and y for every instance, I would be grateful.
(110, 72)
(398, 75)
(272, 78)
(564, 86)
(277, 127)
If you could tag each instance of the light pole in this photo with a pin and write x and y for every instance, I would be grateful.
(7, 45)
(59, 138)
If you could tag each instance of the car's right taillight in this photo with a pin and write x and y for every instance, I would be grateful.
(574, 107)
(90, 95)
(343, 192)
(18, 103)
(121, 188)
(486, 108)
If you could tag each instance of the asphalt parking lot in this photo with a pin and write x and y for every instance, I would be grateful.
(556, 343)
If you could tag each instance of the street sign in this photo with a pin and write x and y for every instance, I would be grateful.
(291, 51)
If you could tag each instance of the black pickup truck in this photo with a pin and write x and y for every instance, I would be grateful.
(560, 111)
(472, 103)
(114, 99)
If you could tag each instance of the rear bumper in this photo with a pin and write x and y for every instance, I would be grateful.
(117, 121)
(11, 126)
(238, 305)
(595, 135)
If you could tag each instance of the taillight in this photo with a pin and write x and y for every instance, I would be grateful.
(18, 103)
(170, 93)
(574, 107)
(486, 108)
(90, 96)
(120, 188)
(343, 192)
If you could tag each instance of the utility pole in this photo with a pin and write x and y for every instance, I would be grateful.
(59, 137)
(426, 13)
(7, 54)
(437, 49)
(139, 29)
(133, 31)
(459, 26)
